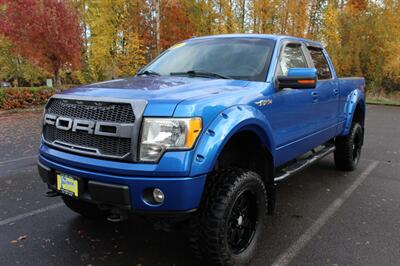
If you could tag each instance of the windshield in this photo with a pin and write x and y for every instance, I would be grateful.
(237, 58)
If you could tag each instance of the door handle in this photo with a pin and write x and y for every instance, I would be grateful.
(336, 92)
(314, 95)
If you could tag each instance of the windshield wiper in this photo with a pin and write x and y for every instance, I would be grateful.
(195, 73)
(149, 73)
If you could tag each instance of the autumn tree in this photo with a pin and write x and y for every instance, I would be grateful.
(115, 46)
(83, 75)
(202, 15)
(330, 30)
(15, 68)
(265, 16)
(390, 27)
(380, 50)
(316, 18)
(175, 23)
(352, 28)
(294, 18)
(117, 37)
(46, 32)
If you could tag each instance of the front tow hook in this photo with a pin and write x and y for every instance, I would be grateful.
(52, 194)
(117, 215)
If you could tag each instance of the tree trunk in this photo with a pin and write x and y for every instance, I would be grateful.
(243, 15)
(158, 26)
(18, 76)
(57, 80)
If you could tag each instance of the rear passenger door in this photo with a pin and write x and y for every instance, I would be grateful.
(326, 96)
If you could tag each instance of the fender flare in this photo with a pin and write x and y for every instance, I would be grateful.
(354, 99)
(222, 128)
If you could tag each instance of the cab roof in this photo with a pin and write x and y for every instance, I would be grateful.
(261, 36)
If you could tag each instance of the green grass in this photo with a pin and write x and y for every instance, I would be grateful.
(379, 100)
(1, 97)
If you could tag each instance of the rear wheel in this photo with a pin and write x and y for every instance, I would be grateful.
(86, 209)
(232, 218)
(348, 149)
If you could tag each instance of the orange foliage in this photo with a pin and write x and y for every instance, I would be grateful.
(47, 32)
(25, 97)
(175, 23)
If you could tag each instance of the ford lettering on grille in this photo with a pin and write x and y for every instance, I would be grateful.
(97, 128)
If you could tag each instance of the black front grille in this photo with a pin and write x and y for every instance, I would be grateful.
(81, 141)
(108, 146)
(97, 111)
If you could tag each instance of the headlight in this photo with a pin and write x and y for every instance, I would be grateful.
(161, 134)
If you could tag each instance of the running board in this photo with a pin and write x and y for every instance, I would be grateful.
(301, 164)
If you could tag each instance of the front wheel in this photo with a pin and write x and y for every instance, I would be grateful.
(232, 218)
(348, 149)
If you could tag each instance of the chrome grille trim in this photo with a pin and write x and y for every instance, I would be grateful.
(113, 105)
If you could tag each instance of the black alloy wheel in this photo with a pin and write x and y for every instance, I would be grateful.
(242, 222)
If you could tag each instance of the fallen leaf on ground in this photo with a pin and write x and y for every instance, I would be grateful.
(22, 238)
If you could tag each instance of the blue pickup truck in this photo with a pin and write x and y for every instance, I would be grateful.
(203, 134)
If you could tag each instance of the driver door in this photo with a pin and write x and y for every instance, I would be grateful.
(291, 113)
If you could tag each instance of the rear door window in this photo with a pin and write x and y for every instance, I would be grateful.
(320, 63)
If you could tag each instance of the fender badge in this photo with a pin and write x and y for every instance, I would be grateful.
(264, 102)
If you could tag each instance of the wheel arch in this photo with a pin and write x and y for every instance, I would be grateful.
(248, 149)
(236, 122)
(354, 110)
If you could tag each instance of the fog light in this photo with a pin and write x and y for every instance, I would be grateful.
(158, 195)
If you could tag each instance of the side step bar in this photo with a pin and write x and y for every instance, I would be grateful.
(301, 164)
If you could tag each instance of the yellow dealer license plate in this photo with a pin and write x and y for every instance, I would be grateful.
(67, 184)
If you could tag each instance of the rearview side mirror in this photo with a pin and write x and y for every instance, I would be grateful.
(298, 78)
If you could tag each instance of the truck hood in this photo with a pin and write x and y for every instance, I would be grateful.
(163, 93)
(156, 88)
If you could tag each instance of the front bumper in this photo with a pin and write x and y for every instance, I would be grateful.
(182, 194)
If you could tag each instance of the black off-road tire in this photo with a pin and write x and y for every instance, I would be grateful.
(348, 149)
(86, 209)
(212, 230)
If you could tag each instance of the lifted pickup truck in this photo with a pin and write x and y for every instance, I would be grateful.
(204, 132)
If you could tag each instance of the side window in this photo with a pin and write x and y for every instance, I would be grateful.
(320, 63)
(292, 56)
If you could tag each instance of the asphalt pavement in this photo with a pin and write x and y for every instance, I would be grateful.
(324, 216)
